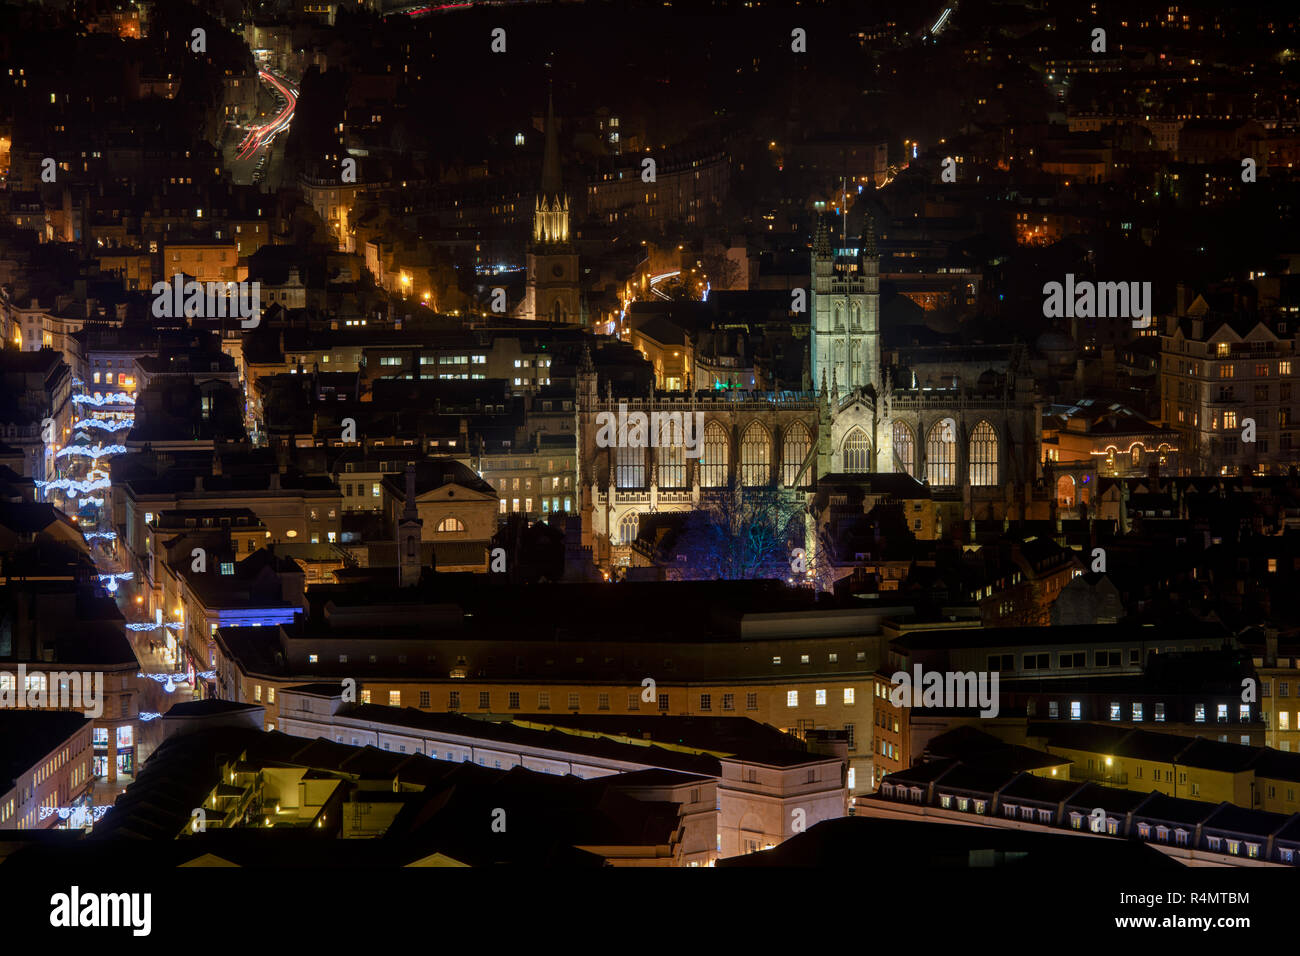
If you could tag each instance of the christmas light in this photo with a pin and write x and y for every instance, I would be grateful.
(105, 535)
(92, 451)
(78, 487)
(112, 398)
(169, 681)
(107, 424)
(79, 815)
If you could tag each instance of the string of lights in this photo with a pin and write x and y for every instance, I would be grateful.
(107, 424)
(75, 486)
(92, 451)
(111, 398)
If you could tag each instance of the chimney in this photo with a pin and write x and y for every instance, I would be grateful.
(1270, 647)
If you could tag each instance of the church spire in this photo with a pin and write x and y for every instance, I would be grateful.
(551, 211)
(868, 243)
(821, 240)
(551, 184)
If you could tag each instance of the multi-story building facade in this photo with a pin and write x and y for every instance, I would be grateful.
(1227, 386)
(47, 761)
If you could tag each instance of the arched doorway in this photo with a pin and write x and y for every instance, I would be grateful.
(1065, 491)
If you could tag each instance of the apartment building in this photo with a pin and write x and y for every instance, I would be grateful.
(1227, 387)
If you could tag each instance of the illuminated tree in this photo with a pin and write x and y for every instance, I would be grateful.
(741, 533)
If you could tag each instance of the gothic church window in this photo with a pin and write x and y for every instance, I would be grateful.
(755, 455)
(983, 456)
(941, 455)
(627, 528)
(796, 447)
(857, 452)
(714, 460)
(904, 449)
(672, 457)
(630, 468)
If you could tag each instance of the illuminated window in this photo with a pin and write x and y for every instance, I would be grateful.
(941, 454)
(755, 455)
(904, 449)
(449, 525)
(628, 527)
(792, 698)
(630, 468)
(848, 695)
(820, 698)
(394, 698)
(671, 456)
(983, 456)
(714, 459)
(857, 452)
(795, 449)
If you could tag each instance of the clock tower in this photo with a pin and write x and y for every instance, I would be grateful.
(552, 293)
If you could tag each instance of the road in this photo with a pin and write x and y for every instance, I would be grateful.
(241, 160)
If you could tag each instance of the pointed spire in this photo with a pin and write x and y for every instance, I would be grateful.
(821, 240)
(586, 365)
(551, 184)
(823, 391)
(868, 242)
(835, 382)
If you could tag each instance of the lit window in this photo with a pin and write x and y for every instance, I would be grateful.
(848, 695)
(821, 698)
(792, 698)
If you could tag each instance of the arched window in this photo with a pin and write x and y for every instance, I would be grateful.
(839, 317)
(857, 452)
(448, 525)
(1065, 491)
(795, 449)
(941, 453)
(627, 527)
(714, 460)
(671, 456)
(755, 455)
(839, 353)
(557, 314)
(631, 467)
(857, 317)
(904, 449)
(1137, 454)
(983, 456)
